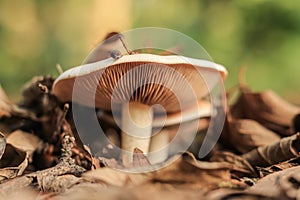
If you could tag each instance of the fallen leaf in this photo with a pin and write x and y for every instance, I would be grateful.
(224, 194)
(242, 166)
(283, 150)
(114, 177)
(24, 141)
(24, 194)
(280, 185)
(182, 171)
(139, 159)
(186, 172)
(290, 184)
(95, 191)
(13, 163)
(278, 167)
(247, 134)
(266, 108)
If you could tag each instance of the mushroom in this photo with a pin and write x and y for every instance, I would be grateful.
(132, 84)
(187, 118)
(165, 127)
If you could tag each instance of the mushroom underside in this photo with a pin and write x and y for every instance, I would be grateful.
(133, 88)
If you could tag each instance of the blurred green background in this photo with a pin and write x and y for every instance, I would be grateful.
(263, 35)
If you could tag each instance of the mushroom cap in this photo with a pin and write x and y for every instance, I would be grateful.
(175, 82)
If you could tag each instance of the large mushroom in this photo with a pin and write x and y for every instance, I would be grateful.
(164, 127)
(132, 84)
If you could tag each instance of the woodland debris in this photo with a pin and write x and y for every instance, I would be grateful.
(280, 185)
(267, 108)
(283, 150)
(55, 179)
(247, 134)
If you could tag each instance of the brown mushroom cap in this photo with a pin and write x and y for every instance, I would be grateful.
(181, 76)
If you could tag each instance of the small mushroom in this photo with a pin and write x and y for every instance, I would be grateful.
(134, 83)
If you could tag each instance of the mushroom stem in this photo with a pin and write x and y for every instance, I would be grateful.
(158, 146)
(136, 129)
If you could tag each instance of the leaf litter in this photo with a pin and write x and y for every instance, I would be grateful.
(42, 156)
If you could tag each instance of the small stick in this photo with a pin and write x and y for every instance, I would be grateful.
(59, 68)
(62, 117)
(124, 45)
(242, 76)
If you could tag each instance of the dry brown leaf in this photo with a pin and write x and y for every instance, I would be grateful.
(95, 191)
(283, 150)
(182, 171)
(242, 167)
(5, 104)
(24, 141)
(290, 184)
(230, 194)
(280, 166)
(13, 163)
(280, 185)
(267, 108)
(187, 172)
(139, 159)
(183, 177)
(12, 157)
(114, 177)
(18, 151)
(24, 194)
(247, 134)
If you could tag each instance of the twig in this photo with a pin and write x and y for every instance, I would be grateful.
(124, 45)
(62, 117)
(59, 68)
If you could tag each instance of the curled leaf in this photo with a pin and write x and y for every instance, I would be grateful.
(283, 150)
(247, 134)
(13, 163)
(268, 109)
(264, 171)
(280, 185)
(242, 167)
(24, 141)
